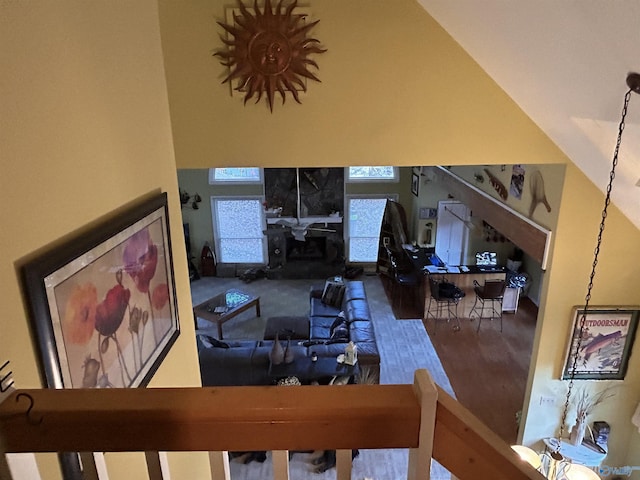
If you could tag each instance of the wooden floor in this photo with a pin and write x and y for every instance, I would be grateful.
(488, 370)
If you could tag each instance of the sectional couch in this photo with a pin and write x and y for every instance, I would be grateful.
(246, 362)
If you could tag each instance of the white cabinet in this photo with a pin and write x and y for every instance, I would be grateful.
(510, 300)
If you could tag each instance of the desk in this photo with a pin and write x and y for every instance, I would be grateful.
(463, 279)
(577, 454)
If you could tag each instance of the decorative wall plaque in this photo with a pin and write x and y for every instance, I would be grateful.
(269, 51)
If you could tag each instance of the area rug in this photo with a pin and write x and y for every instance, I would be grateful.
(404, 348)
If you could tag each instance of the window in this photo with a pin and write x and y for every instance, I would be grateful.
(238, 226)
(372, 174)
(363, 227)
(235, 175)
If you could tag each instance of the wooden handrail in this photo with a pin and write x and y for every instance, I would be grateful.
(469, 449)
(219, 418)
(255, 418)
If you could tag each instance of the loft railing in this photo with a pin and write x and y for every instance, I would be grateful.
(421, 417)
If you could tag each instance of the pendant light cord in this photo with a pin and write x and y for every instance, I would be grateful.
(587, 299)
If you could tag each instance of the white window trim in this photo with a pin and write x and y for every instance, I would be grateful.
(216, 235)
(347, 222)
(395, 179)
(240, 181)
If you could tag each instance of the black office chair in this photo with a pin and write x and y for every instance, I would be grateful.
(439, 306)
(488, 297)
(404, 278)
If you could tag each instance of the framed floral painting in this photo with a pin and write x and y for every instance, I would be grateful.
(103, 304)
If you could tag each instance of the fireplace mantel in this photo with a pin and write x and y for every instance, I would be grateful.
(325, 220)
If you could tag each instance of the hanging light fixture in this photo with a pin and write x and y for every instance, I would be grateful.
(555, 467)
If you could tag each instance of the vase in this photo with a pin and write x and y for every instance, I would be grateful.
(577, 432)
(289, 357)
(277, 352)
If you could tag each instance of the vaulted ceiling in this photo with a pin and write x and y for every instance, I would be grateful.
(565, 63)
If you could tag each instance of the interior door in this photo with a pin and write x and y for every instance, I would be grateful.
(452, 234)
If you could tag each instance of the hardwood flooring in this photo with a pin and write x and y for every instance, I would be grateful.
(488, 370)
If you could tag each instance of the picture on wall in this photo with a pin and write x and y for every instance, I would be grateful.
(517, 181)
(103, 304)
(607, 339)
(415, 183)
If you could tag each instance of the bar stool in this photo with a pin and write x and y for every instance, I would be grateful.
(438, 306)
(488, 296)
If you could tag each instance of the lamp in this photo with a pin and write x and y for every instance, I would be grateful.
(557, 468)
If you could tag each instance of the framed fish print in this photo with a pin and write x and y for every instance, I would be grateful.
(607, 340)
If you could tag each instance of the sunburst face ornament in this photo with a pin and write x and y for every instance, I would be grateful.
(269, 52)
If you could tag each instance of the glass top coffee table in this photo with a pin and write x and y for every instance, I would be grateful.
(224, 307)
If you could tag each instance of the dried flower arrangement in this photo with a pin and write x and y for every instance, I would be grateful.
(585, 402)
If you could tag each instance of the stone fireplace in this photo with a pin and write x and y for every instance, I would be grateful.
(313, 248)
(320, 255)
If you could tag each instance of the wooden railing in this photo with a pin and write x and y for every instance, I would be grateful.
(420, 417)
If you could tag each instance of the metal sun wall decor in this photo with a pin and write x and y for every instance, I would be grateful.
(269, 51)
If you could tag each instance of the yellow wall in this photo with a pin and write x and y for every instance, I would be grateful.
(84, 130)
(396, 89)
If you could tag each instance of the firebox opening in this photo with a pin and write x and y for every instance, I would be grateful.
(314, 248)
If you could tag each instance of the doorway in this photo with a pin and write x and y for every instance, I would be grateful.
(452, 234)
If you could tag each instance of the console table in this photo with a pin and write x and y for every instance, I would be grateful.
(576, 453)
(306, 370)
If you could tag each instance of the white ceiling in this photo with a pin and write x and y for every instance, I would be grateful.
(565, 62)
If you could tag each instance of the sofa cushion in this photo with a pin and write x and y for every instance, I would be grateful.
(368, 353)
(320, 327)
(319, 309)
(361, 332)
(287, 327)
(227, 366)
(355, 290)
(357, 310)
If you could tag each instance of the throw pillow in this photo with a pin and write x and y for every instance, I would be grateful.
(333, 293)
(339, 331)
(211, 342)
(340, 319)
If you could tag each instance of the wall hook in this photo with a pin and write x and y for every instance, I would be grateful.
(30, 419)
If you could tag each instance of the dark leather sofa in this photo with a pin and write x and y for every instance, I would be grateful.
(247, 362)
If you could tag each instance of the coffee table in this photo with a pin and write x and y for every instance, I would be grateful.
(224, 307)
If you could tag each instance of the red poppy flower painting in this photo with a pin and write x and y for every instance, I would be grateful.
(140, 259)
(111, 310)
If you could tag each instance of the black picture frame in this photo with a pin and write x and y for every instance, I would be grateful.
(43, 278)
(415, 183)
(103, 304)
(607, 341)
